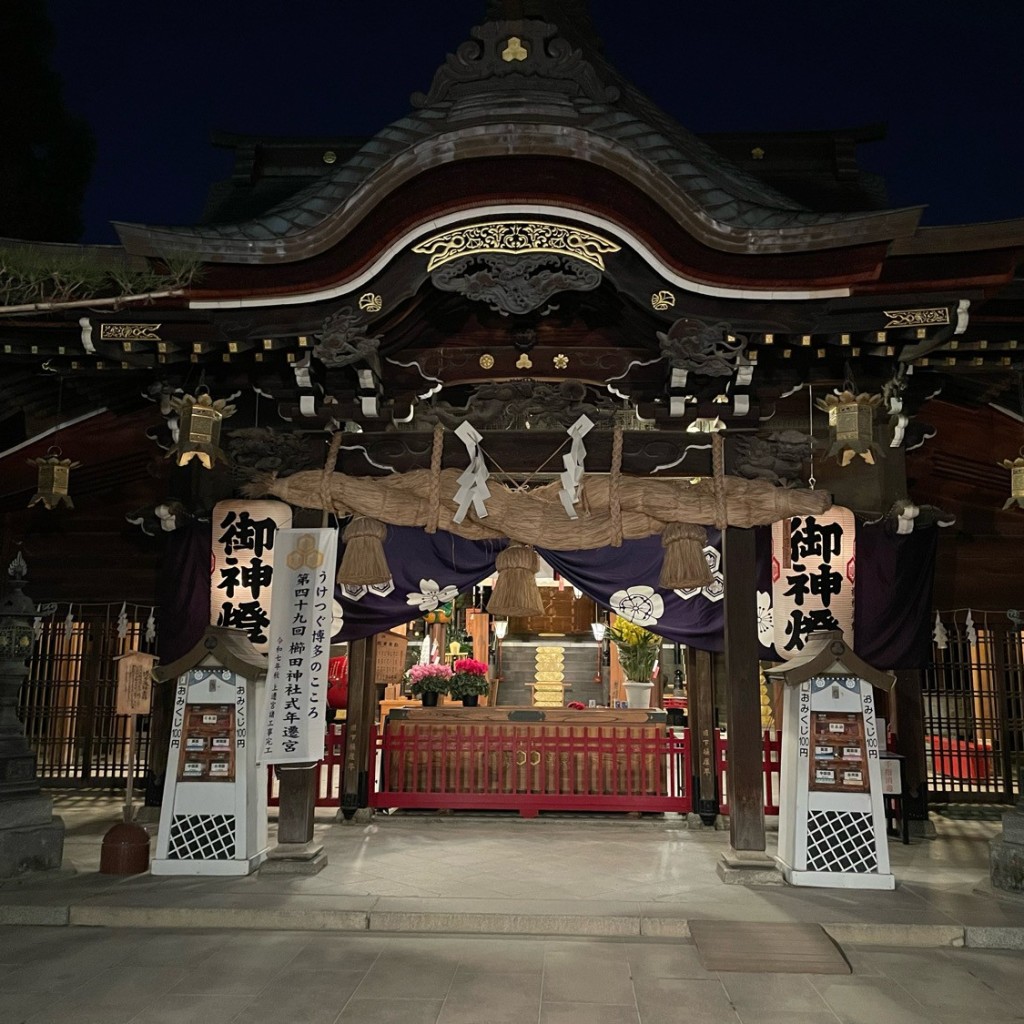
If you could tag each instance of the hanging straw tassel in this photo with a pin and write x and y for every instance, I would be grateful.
(363, 562)
(515, 590)
(684, 566)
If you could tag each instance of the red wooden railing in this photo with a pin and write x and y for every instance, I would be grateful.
(498, 769)
(771, 766)
(653, 774)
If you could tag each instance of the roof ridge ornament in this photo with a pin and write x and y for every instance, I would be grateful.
(519, 57)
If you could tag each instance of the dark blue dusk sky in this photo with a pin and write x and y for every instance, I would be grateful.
(155, 80)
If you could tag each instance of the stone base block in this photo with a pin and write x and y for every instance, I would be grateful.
(295, 859)
(32, 848)
(26, 811)
(747, 867)
(1006, 865)
(918, 829)
(1013, 827)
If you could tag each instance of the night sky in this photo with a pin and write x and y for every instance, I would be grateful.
(154, 81)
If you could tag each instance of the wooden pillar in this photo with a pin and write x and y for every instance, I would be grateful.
(908, 724)
(742, 671)
(701, 718)
(297, 803)
(358, 727)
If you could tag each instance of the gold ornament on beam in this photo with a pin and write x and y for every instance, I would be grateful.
(851, 426)
(54, 476)
(200, 419)
(1016, 468)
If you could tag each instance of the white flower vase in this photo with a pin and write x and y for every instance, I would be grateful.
(638, 695)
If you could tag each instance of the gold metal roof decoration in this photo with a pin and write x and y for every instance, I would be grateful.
(371, 303)
(200, 419)
(851, 426)
(516, 237)
(1016, 468)
(130, 332)
(514, 51)
(663, 300)
(917, 317)
(54, 477)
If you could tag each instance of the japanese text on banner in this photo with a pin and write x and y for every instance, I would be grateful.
(300, 638)
(813, 573)
(243, 565)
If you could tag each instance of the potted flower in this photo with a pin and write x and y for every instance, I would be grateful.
(638, 651)
(469, 681)
(427, 681)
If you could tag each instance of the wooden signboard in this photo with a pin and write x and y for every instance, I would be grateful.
(134, 683)
(390, 657)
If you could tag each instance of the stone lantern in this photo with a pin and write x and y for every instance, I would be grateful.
(31, 838)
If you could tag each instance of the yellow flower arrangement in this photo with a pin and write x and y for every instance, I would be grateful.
(638, 649)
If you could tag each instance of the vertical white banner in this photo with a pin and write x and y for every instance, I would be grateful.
(300, 639)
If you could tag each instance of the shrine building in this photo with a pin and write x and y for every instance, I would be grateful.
(535, 330)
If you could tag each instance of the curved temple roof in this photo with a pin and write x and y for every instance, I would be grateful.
(530, 87)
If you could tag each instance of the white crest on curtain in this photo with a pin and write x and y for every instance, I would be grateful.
(640, 605)
(715, 590)
(430, 595)
(765, 619)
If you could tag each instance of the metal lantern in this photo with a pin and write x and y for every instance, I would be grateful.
(54, 476)
(200, 419)
(1016, 468)
(851, 424)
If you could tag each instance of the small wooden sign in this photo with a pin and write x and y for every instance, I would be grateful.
(134, 683)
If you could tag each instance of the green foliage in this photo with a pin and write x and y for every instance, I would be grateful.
(465, 684)
(429, 684)
(638, 649)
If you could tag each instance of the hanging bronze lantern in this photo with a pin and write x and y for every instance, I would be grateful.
(851, 425)
(54, 476)
(199, 423)
(1016, 468)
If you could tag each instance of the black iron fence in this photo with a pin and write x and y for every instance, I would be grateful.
(68, 702)
(973, 695)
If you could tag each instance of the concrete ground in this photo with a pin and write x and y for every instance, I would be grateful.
(492, 919)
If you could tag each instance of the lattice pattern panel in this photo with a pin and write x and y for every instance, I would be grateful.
(841, 841)
(202, 837)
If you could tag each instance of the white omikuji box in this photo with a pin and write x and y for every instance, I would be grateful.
(832, 827)
(213, 819)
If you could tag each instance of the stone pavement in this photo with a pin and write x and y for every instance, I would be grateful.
(156, 976)
(499, 875)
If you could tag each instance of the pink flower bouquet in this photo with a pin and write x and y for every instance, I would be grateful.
(429, 679)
